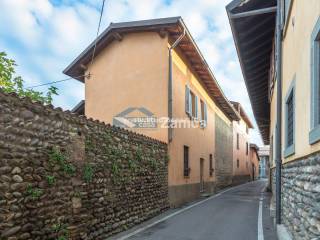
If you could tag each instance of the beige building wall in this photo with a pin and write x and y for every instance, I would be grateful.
(201, 141)
(296, 64)
(239, 127)
(254, 164)
(130, 73)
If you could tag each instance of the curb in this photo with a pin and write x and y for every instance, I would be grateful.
(283, 233)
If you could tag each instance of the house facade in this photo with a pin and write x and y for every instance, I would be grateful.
(264, 165)
(278, 44)
(241, 146)
(153, 69)
(254, 162)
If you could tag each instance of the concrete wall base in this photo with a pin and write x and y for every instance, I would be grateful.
(240, 179)
(181, 194)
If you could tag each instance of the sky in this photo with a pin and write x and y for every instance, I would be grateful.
(45, 36)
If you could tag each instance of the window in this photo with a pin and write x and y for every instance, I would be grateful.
(247, 148)
(186, 169)
(289, 122)
(238, 163)
(191, 103)
(238, 141)
(247, 129)
(203, 106)
(210, 165)
(314, 135)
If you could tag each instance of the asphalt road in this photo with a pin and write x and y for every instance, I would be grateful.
(232, 214)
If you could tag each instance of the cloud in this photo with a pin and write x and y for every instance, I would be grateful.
(45, 36)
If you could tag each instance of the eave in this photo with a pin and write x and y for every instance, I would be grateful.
(253, 27)
(173, 27)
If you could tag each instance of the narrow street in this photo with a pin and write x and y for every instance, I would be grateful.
(231, 214)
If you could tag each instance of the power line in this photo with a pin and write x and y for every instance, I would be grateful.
(50, 83)
(93, 54)
(98, 30)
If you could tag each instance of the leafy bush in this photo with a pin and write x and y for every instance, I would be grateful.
(11, 83)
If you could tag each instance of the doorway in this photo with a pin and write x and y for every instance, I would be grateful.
(201, 175)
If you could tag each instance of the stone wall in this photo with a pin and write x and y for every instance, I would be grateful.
(223, 154)
(63, 176)
(301, 197)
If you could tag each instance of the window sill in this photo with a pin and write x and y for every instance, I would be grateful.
(289, 151)
(314, 135)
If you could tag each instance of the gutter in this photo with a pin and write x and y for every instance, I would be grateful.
(170, 84)
(279, 113)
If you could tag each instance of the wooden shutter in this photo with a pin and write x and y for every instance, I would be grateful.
(205, 114)
(187, 100)
(195, 107)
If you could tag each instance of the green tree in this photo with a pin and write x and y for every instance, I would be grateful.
(11, 83)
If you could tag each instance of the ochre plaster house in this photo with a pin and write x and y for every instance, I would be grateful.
(155, 65)
(241, 146)
(254, 162)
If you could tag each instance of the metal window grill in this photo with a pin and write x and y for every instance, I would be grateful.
(185, 161)
(290, 116)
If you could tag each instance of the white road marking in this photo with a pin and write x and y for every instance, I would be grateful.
(260, 226)
(178, 212)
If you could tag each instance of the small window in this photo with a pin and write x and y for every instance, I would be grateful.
(191, 103)
(289, 122)
(238, 163)
(186, 169)
(210, 165)
(247, 129)
(314, 135)
(247, 148)
(238, 141)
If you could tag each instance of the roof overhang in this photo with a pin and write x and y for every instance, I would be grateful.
(173, 27)
(79, 108)
(242, 113)
(253, 25)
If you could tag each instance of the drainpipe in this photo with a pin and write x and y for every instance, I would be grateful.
(279, 113)
(170, 92)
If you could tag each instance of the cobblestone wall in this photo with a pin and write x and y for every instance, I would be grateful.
(301, 197)
(66, 177)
